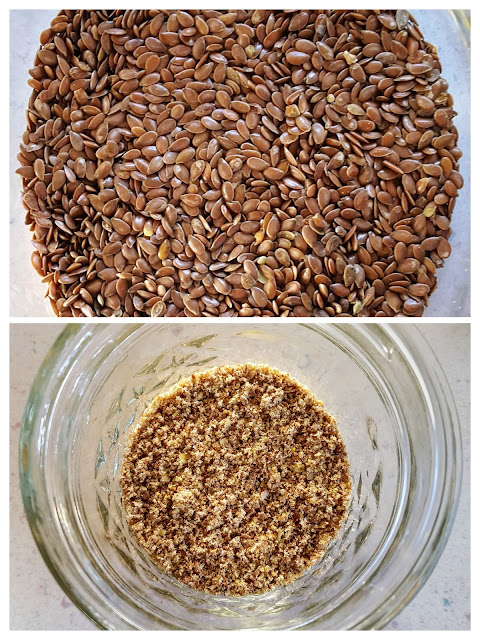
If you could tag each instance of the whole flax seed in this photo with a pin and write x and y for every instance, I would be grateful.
(167, 150)
(236, 480)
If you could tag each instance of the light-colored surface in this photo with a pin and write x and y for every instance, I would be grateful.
(452, 297)
(37, 602)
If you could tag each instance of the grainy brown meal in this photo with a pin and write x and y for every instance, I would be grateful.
(238, 163)
(236, 480)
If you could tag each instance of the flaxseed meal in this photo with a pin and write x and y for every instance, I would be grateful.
(238, 163)
(236, 480)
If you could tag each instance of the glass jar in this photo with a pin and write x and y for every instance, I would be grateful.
(394, 410)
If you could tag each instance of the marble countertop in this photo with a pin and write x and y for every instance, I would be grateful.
(452, 296)
(37, 602)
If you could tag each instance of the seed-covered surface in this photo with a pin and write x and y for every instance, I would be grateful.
(238, 163)
(236, 480)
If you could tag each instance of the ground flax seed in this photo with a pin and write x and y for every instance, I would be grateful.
(236, 480)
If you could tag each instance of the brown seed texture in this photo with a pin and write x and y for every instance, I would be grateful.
(236, 480)
(165, 150)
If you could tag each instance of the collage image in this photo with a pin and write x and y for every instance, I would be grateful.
(239, 319)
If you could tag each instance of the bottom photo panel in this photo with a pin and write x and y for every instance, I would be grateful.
(238, 476)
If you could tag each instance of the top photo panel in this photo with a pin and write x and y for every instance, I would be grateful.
(239, 163)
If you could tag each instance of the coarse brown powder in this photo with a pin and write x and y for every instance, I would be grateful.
(236, 480)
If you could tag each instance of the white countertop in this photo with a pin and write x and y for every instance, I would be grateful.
(37, 602)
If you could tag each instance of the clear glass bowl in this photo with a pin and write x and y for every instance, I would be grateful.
(394, 410)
